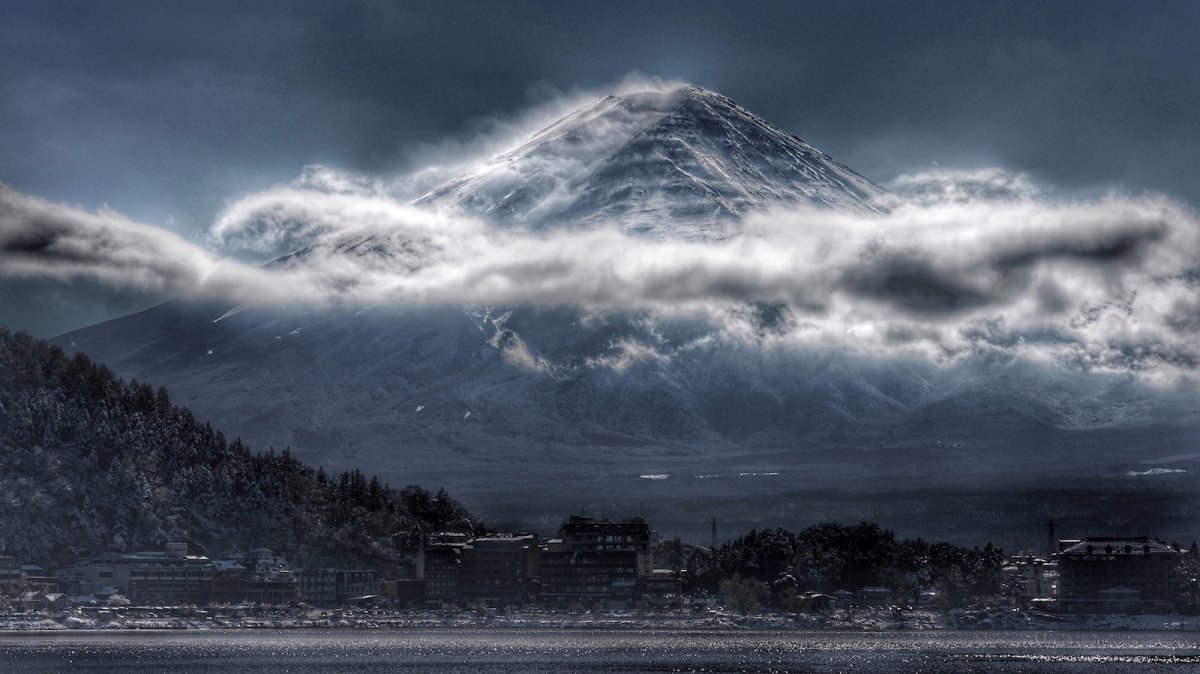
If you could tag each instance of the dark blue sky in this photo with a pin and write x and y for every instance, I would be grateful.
(167, 110)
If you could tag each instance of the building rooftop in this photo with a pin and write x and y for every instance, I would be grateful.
(1118, 545)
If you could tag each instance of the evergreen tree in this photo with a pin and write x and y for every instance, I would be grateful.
(89, 461)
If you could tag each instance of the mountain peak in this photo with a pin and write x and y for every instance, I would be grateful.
(683, 163)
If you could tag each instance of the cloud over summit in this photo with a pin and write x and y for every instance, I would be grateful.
(1108, 284)
(955, 265)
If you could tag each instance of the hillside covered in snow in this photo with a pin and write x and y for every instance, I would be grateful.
(89, 462)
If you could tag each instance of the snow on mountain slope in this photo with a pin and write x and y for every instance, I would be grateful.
(680, 164)
(567, 407)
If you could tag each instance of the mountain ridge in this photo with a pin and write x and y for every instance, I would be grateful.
(563, 406)
(678, 164)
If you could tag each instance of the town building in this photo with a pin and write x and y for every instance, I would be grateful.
(34, 578)
(45, 602)
(662, 589)
(86, 578)
(873, 596)
(335, 587)
(356, 583)
(597, 561)
(588, 534)
(844, 598)
(280, 588)
(1116, 574)
(319, 587)
(229, 581)
(404, 592)
(167, 578)
(440, 567)
(607, 577)
(496, 569)
(816, 601)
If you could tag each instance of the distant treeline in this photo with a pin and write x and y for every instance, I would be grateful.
(90, 462)
(774, 565)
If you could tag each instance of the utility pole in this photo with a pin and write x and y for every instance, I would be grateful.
(1051, 541)
(714, 535)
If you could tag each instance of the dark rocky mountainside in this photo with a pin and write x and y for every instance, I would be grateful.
(88, 461)
(532, 412)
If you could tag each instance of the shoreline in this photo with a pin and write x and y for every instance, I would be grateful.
(856, 620)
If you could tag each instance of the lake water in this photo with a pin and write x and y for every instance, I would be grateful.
(487, 651)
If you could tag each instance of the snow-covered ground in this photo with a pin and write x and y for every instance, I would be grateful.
(853, 619)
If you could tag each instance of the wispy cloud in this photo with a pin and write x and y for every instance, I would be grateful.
(977, 267)
(43, 239)
(432, 164)
(940, 185)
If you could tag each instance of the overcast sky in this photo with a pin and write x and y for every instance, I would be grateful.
(168, 111)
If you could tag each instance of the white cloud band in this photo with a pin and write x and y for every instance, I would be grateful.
(1107, 284)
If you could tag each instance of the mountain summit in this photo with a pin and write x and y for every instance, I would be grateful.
(685, 163)
(529, 412)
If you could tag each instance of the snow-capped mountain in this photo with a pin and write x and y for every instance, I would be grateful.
(553, 409)
(686, 163)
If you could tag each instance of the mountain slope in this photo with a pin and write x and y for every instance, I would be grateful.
(683, 164)
(551, 410)
(527, 399)
(87, 461)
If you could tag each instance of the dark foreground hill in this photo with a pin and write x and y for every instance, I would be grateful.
(88, 461)
(706, 429)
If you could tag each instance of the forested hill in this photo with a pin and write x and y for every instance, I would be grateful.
(93, 463)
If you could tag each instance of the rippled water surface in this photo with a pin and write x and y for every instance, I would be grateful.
(487, 651)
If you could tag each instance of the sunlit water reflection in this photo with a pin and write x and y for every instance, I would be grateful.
(488, 651)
